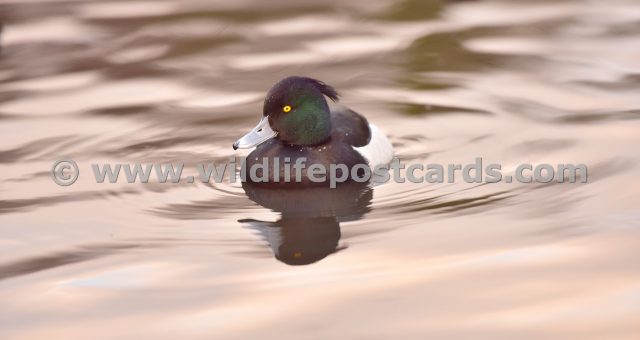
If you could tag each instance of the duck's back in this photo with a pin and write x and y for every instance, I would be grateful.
(349, 127)
(365, 138)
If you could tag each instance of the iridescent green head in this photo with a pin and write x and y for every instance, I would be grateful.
(296, 112)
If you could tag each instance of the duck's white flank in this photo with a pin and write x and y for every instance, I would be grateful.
(379, 151)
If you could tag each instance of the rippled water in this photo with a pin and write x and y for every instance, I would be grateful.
(178, 81)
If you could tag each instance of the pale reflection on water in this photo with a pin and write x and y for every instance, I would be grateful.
(177, 81)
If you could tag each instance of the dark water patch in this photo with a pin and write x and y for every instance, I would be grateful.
(202, 210)
(124, 110)
(412, 109)
(437, 205)
(159, 143)
(596, 116)
(50, 261)
(29, 204)
(31, 149)
(260, 13)
(445, 52)
(412, 10)
(542, 145)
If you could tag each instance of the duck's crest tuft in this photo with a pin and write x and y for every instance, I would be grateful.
(327, 90)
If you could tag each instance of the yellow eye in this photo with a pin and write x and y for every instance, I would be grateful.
(286, 108)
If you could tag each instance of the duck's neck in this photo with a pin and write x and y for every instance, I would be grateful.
(310, 126)
(316, 132)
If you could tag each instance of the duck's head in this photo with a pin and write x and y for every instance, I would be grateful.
(295, 111)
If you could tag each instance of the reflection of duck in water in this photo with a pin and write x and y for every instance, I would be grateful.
(309, 227)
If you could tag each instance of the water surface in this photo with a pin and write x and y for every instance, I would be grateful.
(178, 81)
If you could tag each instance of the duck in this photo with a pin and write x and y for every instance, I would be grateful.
(297, 122)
